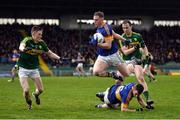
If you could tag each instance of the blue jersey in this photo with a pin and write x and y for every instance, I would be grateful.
(107, 32)
(119, 93)
(15, 57)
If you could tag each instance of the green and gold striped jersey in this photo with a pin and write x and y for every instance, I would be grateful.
(29, 59)
(135, 39)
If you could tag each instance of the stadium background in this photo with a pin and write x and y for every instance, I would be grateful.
(67, 27)
(157, 21)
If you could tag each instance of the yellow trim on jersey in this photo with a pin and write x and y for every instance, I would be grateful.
(107, 38)
(124, 105)
(118, 96)
(136, 33)
(134, 43)
(107, 29)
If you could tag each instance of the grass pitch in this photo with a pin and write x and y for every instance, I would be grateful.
(74, 98)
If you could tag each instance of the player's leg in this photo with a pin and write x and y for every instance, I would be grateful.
(99, 68)
(103, 96)
(138, 71)
(13, 74)
(151, 75)
(23, 77)
(78, 70)
(121, 66)
(145, 71)
(39, 85)
(82, 70)
(91, 70)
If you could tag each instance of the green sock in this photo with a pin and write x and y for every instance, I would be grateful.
(146, 95)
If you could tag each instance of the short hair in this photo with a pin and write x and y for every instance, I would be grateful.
(139, 88)
(99, 13)
(36, 28)
(127, 21)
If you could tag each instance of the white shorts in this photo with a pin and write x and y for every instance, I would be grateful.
(106, 100)
(146, 66)
(112, 60)
(80, 65)
(33, 73)
(130, 62)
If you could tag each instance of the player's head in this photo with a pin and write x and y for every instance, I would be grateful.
(98, 18)
(138, 90)
(127, 26)
(15, 51)
(36, 33)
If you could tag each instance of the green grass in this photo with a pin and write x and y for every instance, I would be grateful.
(74, 97)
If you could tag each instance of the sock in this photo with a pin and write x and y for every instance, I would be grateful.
(146, 95)
(109, 74)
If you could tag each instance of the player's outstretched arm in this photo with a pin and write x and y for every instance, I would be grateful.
(127, 51)
(119, 37)
(53, 55)
(141, 101)
(124, 108)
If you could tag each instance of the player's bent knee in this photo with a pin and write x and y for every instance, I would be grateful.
(95, 73)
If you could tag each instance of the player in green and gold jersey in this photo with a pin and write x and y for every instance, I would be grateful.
(132, 55)
(30, 48)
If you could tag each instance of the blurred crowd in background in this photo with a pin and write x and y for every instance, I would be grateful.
(162, 42)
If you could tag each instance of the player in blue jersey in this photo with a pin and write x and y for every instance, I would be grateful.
(118, 95)
(15, 57)
(108, 54)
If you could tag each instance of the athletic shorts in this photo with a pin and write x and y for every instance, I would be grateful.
(33, 73)
(80, 65)
(112, 60)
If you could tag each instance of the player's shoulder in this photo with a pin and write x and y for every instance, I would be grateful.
(26, 39)
(123, 34)
(137, 34)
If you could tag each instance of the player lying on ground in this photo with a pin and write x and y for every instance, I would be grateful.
(118, 95)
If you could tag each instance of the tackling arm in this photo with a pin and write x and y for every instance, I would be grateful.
(119, 37)
(52, 55)
(124, 108)
(141, 101)
(127, 51)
